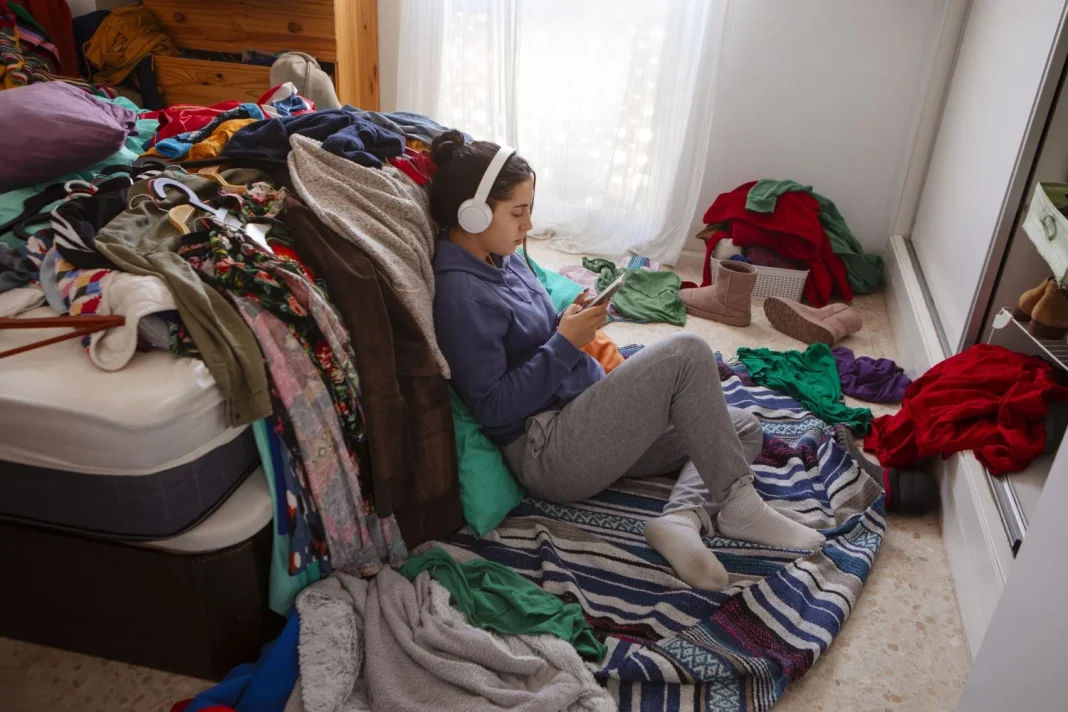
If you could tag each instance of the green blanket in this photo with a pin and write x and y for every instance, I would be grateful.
(811, 378)
(865, 270)
(562, 291)
(647, 295)
(495, 597)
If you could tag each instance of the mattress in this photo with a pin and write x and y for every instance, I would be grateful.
(239, 517)
(144, 452)
(59, 411)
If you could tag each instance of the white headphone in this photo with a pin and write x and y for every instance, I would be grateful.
(475, 214)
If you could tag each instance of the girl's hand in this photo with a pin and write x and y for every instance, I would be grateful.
(583, 298)
(580, 326)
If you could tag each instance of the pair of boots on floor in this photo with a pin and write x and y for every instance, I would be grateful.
(729, 301)
(1045, 310)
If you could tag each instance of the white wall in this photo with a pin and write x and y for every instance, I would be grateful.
(826, 92)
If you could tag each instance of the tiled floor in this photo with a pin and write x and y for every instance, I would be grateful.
(901, 650)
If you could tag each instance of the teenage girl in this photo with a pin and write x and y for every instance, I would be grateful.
(566, 430)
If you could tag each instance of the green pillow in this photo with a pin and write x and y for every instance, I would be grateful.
(488, 491)
(561, 290)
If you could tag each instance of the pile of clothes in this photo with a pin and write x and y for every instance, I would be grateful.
(395, 642)
(110, 52)
(209, 266)
(1007, 407)
(566, 607)
(105, 52)
(37, 45)
(819, 376)
(783, 224)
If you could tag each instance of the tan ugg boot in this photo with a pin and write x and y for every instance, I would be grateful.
(826, 325)
(1029, 300)
(729, 300)
(1049, 319)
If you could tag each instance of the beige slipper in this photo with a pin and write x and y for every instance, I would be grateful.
(826, 325)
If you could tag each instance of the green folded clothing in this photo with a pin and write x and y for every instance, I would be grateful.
(496, 598)
(647, 295)
(811, 378)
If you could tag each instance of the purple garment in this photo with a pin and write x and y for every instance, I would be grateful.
(876, 380)
(50, 129)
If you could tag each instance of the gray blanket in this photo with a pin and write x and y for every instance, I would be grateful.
(381, 211)
(416, 652)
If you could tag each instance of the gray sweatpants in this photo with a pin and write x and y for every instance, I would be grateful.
(661, 410)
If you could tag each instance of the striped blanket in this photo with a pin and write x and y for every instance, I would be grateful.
(671, 647)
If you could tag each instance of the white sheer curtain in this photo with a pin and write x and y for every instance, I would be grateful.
(609, 100)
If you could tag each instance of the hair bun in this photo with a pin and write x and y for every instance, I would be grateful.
(444, 147)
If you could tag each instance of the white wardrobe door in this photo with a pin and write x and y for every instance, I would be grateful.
(1020, 664)
(999, 71)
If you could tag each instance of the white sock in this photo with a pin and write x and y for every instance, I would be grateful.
(677, 537)
(747, 517)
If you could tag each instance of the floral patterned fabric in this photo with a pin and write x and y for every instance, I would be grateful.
(315, 383)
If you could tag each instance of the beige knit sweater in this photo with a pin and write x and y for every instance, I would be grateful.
(381, 211)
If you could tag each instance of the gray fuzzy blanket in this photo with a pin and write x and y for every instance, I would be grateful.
(415, 652)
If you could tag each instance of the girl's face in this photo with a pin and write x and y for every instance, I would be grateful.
(511, 221)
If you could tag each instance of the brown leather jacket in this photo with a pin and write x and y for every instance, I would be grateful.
(404, 397)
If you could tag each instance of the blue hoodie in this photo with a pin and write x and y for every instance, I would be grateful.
(497, 328)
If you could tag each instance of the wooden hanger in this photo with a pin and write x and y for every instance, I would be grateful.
(83, 325)
(159, 186)
(213, 173)
(179, 217)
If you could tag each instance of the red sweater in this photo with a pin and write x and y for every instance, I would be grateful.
(55, 18)
(793, 230)
(987, 399)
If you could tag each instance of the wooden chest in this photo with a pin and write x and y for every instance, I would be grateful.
(343, 32)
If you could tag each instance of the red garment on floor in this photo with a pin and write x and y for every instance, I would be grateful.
(182, 117)
(54, 17)
(793, 230)
(987, 399)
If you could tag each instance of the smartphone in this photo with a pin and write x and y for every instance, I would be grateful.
(610, 291)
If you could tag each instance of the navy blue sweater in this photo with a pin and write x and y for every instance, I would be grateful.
(496, 326)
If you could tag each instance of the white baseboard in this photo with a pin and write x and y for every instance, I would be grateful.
(918, 346)
(978, 550)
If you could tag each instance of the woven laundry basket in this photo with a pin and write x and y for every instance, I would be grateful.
(773, 281)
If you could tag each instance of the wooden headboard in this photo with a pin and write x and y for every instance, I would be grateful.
(342, 32)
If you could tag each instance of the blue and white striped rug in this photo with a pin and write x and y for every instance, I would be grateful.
(671, 647)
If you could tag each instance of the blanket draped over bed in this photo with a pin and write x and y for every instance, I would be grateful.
(384, 214)
(671, 647)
